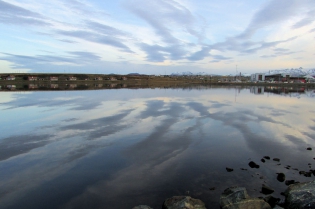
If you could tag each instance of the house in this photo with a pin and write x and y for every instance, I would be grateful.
(10, 78)
(113, 78)
(32, 78)
(257, 77)
(98, 78)
(53, 78)
(71, 78)
(124, 78)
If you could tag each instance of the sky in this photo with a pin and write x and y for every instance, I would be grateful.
(156, 36)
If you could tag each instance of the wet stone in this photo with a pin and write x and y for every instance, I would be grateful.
(229, 169)
(272, 201)
(142, 207)
(266, 190)
(281, 177)
(276, 159)
(267, 157)
(301, 195)
(253, 164)
(289, 182)
(263, 160)
(309, 148)
(182, 202)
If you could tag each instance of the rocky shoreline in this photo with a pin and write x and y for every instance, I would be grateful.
(297, 195)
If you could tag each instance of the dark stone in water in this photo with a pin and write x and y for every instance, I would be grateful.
(263, 160)
(267, 157)
(266, 190)
(229, 169)
(243, 169)
(212, 188)
(281, 177)
(179, 202)
(276, 159)
(289, 182)
(309, 148)
(272, 201)
(308, 174)
(142, 207)
(253, 164)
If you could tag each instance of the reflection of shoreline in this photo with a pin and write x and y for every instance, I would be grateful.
(280, 90)
(59, 86)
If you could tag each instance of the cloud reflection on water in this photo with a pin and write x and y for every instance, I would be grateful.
(152, 137)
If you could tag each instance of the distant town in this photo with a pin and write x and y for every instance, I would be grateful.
(38, 81)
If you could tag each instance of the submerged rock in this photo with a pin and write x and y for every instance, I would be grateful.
(229, 169)
(276, 159)
(266, 190)
(301, 195)
(272, 201)
(183, 202)
(267, 157)
(142, 207)
(263, 160)
(237, 198)
(289, 182)
(253, 164)
(309, 148)
(281, 177)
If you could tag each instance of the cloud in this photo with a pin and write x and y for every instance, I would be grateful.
(76, 57)
(95, 37)
(12, 14)
(276, 11)
(308, 19)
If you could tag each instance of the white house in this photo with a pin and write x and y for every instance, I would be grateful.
(257, 77)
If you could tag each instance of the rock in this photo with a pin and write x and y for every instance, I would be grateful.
(183, 202)
(229, 169)
(263, 160)
(243, 169)
(266, 190)
(289, 182)
(253, 164)
(301, 195)
(212, 188)
(276, 159)
(237, 198)
(267, 157)
(309, 148)
(272, 201)
(278, 207)
(142, 207)
(281, 177)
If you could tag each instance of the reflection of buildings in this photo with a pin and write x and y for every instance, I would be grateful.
(98, 85)
(72, 86)
(32, 86)
(281, 77)
(11, 87)
(257, 90)
(54, 86)
(284, 90)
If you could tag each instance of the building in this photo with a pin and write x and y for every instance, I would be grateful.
(281, 77)
(99, 78)
(53, 78)
(10, 78)
(71, 78)
(32, 78)
(257, 77)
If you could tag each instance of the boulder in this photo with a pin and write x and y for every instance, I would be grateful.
(229, 169)
(281, 177)
(267, 157)
(253, 164)
(266, 190)
(300, 195)
(276, 159)
(237, 198)
(272, 201)
(183, 202)
(142, 207)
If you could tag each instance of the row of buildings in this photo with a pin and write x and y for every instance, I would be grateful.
(56, 78)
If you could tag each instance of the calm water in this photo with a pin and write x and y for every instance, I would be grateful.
(122, 148)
